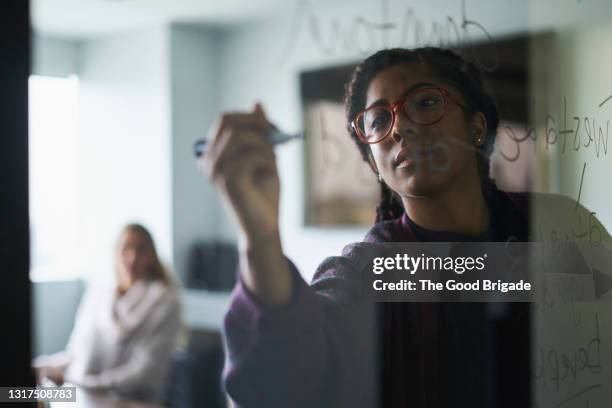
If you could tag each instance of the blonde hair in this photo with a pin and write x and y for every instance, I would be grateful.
(156, 272)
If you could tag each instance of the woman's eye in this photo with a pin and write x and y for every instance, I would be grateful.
(427, 102)
(378, 119)
(379, 122)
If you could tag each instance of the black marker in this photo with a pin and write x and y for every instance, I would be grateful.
(275, 137)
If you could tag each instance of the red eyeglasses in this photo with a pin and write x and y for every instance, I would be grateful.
(424, 106)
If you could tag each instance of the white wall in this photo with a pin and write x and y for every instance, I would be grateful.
(125, 145)
(54, 303)
(194, 72)
(55, 56)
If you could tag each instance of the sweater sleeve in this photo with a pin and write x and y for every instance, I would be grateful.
(308, 353)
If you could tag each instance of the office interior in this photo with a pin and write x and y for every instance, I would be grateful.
(121, 90)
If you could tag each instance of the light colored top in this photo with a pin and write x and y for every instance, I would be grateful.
(122, 343)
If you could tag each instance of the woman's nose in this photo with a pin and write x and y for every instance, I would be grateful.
(402, 127)
(397, 138)
(129, 257)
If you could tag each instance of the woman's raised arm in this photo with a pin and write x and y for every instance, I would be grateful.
(242, 166)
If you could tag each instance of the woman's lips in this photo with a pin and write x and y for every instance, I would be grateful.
(405, 157)
(405, 163)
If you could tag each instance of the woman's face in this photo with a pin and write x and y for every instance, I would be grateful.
(134, 256)
(423, 160)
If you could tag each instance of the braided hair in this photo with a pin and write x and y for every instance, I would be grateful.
(453, 69)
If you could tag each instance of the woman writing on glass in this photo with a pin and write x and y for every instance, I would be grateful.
(423, 122)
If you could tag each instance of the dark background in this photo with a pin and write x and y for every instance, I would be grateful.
(15, 337)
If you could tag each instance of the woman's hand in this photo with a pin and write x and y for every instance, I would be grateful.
(241, 164)
(55, 374)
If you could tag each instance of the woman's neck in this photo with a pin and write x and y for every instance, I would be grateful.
(461, 208)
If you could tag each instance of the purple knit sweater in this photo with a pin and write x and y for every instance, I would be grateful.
(320, 350)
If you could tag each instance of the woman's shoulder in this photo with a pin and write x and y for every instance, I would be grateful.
(158, 303)
(384, 231)
(168, 294)
(339, 277)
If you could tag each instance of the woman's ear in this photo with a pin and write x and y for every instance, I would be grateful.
(478, 128)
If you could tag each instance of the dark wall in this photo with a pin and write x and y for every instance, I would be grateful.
(15, 338)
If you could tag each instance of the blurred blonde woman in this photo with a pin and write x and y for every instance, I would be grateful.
(124, 334)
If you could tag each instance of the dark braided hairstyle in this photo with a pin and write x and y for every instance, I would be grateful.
(449, 67)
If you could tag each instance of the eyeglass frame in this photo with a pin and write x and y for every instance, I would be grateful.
(400, 104)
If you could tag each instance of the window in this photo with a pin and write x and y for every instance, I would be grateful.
(53, 147)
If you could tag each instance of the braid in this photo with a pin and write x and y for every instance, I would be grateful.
(454, 69)
(389, 207)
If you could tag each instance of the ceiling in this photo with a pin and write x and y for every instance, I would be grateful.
(80, 19)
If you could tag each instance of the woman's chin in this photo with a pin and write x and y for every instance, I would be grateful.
(421, 185)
